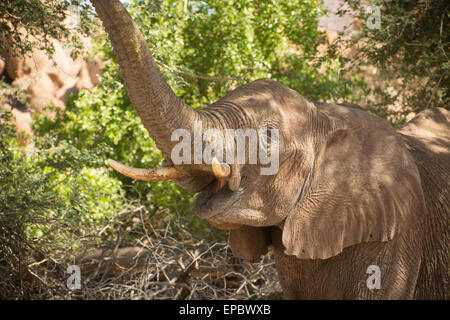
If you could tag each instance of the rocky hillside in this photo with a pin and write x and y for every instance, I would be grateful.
(44, 80)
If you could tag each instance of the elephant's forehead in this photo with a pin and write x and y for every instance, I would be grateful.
(268, 95)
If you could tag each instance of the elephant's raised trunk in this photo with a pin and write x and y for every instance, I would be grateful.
(160, 110)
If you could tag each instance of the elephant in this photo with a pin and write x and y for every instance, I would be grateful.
(356, 209)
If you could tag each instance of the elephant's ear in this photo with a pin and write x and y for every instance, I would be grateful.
(249, 243)
(364, 186)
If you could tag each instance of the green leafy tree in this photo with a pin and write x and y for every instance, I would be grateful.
(208, 48)
(51, 208)
(410, 50)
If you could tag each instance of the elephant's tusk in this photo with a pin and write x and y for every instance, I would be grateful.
(220, 170)
(158, 174)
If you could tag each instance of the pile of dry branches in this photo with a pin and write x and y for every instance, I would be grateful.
(164, 269)
(165, 263)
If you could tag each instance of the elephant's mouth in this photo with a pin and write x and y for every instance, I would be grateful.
(215, 201)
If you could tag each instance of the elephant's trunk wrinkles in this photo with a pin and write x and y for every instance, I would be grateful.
(160, 110)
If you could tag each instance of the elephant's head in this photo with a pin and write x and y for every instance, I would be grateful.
(343, 176)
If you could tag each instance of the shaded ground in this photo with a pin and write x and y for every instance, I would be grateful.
(160, 266)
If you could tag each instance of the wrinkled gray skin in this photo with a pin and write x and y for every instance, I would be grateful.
(350, 191)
